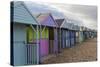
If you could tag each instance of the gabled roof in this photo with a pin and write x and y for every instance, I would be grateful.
(21, 14)
(59, 21)
(46, 19)
(76, 27)
(66, 25)
(42, 17)
(69, 26)
(36, 14)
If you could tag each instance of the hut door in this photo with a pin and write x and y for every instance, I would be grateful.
(44, 43)
(51, 40)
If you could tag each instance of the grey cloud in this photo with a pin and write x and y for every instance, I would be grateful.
(85, 13)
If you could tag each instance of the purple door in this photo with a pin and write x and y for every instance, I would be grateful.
(44, 47)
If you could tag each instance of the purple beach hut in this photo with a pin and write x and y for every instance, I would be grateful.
(48, 35)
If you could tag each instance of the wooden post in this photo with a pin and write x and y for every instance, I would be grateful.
(37, 31)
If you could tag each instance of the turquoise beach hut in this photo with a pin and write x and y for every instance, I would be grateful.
(24, 50)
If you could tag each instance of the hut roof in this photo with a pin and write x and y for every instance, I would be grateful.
(42, 17)
(69, 26)
(46, 19)
(59, 21)
(66, 25)
(21, 14)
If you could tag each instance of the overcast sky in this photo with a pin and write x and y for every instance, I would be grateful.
(85, 15)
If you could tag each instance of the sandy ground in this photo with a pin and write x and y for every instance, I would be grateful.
(86, 51)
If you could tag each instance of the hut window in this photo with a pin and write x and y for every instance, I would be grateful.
(30, 35)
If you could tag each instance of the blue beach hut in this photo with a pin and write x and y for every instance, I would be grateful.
(23, 48)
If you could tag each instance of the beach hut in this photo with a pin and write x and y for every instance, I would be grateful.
(65, 29)
(77, 28)
(48, 35)
(72, 34)
(90, 33)
(81, 36)
(86, 33)
(23, 25)
(94, 33)
(59, 22)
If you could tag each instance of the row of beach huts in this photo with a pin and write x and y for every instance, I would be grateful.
(35, 37)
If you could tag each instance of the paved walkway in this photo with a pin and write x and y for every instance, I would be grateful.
(81, 52)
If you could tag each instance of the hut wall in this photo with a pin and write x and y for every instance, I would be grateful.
(73, 38)
(58, 32)
(81, 37)
(77, 37)
(56, 41)
(19, 39)
(67, 39)
(63, 39)
(51, 40)
(70, 38)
